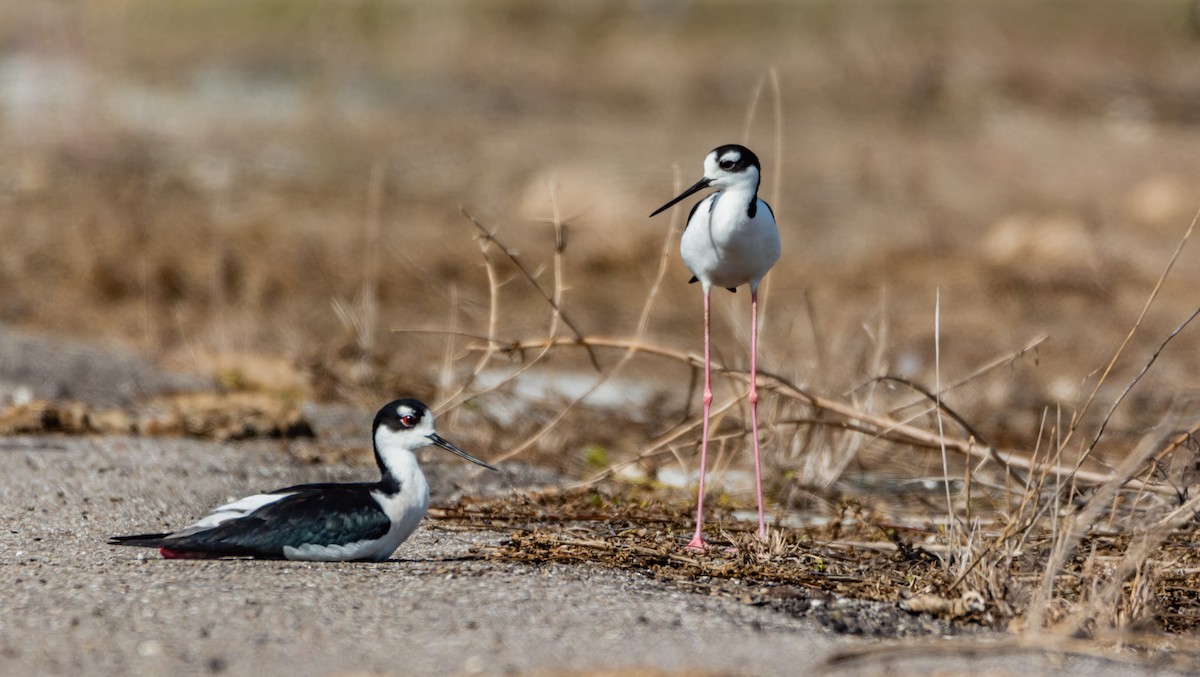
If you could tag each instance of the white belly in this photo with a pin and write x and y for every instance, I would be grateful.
(406, 516)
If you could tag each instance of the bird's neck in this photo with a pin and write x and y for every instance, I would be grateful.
(743, 198)
(397, 467)
(389, 483)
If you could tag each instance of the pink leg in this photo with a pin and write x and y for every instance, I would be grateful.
(762, 523)
(698, 542)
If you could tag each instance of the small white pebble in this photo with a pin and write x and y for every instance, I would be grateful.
(149, 648)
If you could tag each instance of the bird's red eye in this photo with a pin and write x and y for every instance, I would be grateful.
(408, 420)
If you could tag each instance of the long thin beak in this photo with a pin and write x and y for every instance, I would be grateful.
(438, 440)
(700, 185)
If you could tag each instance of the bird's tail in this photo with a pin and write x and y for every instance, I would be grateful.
(139, 540)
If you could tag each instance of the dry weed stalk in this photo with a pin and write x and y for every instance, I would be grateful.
(555, 302)
(1108, 602)
(1112, 598)
(1121, 349)
(361, 316)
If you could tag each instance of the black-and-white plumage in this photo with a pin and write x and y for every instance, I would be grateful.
(730, 240)
(324, 522)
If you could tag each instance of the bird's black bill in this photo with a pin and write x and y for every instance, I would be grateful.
(437, 439)
(700, 185)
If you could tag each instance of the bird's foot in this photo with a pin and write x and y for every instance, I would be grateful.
(698, 544)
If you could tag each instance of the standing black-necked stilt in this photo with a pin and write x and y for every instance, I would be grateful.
(730, 240)
(324, 522)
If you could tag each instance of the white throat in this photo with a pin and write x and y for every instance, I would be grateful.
(396, 450)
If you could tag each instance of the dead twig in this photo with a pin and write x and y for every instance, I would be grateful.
(1145, 368)
(1128, 337)
(490, 236)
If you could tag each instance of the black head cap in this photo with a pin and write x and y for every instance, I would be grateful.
(400, 414)
(735, 158)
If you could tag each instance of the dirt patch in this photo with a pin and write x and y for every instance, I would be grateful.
(227, 416)
(860, 576)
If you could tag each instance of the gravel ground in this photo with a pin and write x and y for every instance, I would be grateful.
(37, 364)
(75, 606)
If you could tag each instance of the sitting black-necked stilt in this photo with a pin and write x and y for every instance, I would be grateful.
(324, 522)
(730, 240)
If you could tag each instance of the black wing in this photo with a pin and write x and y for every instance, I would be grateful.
(712, 205)
(768, 206)
(691, 212)
(328, 514)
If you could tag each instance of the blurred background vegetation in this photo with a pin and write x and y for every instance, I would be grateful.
(225, 185)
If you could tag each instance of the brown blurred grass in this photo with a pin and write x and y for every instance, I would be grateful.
(197, 176)
(267, 190)
(194, 179)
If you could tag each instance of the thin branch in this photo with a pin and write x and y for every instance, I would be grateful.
(516, 259)
(966, 426)
(489, 340)
(985, 368)
(1128, 337)
(643, 321)
(655, 449)
(1134, 382)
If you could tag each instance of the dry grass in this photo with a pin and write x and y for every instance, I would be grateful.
(975, 345)
(1043, 535)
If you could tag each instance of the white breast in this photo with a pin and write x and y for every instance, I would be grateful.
(723, 247)
(405, 509)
